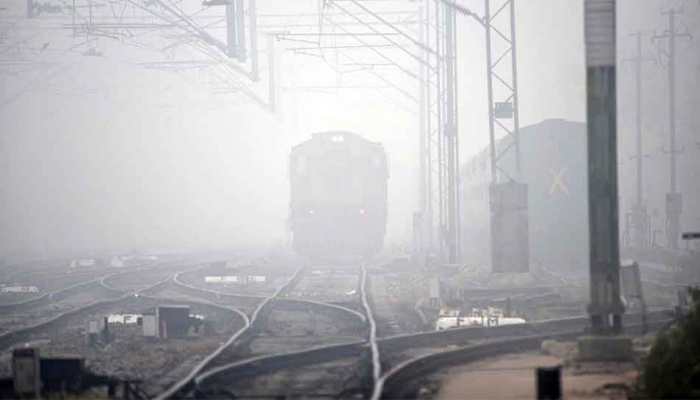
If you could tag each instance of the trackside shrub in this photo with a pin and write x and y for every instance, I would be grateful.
(672, 369)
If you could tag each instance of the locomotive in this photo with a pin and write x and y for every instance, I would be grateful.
(338, 197)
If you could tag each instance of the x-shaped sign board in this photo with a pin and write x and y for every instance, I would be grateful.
(558, 181)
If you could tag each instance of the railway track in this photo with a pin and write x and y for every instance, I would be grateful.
(189, 383)
(105, 295)
(403, 380)
(53, 296)
(252, 300)
(15, 336)
(439, 349)
(384, 362)
(376, 365)
(138, 298)
(96, 281)
(215, 365)
(364, 354)
(391, 359)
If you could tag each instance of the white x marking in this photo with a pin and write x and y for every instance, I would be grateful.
(558, 182)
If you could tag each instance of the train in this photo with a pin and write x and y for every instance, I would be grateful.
(338, 197)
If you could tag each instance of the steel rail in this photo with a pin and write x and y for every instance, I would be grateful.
(396, 344)
(374, 348)
(59, 292)
(405, 373)
(7, 339)
(186, 384)
(276, 361)
(53, 294)
(219, 294)
(271, 362)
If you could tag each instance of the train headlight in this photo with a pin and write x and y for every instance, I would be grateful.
(337, 138)
(311, 211)
(362, 211)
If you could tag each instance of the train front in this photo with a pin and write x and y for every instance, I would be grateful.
(338, 183)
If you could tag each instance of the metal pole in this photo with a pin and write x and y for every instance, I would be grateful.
(516, 103)
(253, 21)
(439, 101)
(272, 88)
(606, 307)
(457, 191)
(450, 132)
(240, 22)
(489, 81)
(637, 223)
(638, 107)
(430, 223)
(674, 198)
(672, 98)
(231, 31)
(30, 8)
(73, 19)
(422, 135)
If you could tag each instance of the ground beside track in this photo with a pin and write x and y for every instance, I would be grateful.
(512, 376)
(129, 355)
(331, 380)
(393, 309)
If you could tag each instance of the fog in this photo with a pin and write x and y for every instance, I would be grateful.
(102, 154)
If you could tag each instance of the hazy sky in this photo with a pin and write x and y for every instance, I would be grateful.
(103, 153)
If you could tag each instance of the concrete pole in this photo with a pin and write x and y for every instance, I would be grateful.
(605, 308)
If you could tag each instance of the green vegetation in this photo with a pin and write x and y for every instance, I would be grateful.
(672, 369)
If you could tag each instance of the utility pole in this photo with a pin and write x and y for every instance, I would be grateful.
(72, 18)
(231, 30)
(240, 34)
(510, 243)
(605, 308)
(509, 224)
(235, 29)
(639, 216)
(272, 69)
(451, 140)
(253, 22)
(30, 8)
(674, 199)
(422, 230)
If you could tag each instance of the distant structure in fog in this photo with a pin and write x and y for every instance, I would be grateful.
(674, 198)
(554, 165)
